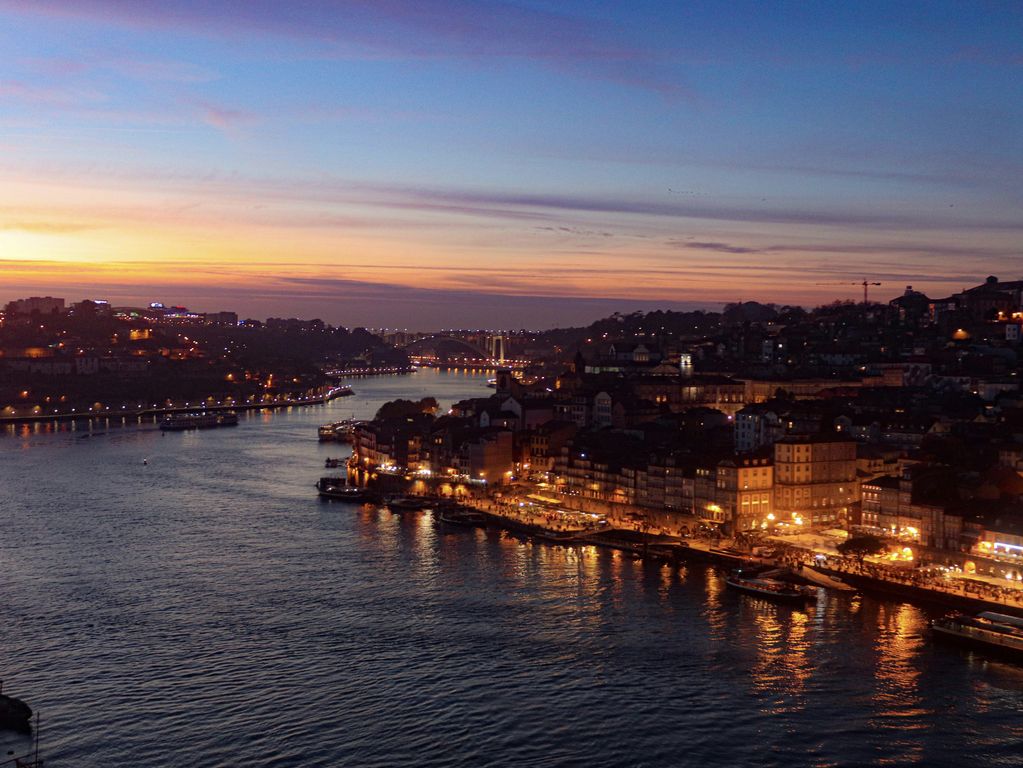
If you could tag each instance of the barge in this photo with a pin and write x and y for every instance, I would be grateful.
(339, 431)
(408, 504)
(986, 631)
(177, 422)
(337, 489)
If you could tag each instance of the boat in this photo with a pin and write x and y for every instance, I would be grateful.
(344, 431)
(988, 631)
(337, 489)
(406, 504)
(332, 463)
(350, 493)
(339, 431)
(466, 517)
(176, 422)
(772, 589)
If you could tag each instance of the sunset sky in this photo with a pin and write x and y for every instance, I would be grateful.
(441, 163)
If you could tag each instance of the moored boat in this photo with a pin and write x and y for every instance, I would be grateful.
(465, 517)
(988, 631)
(337, 489)
(175, 422)
(406, 504)
(344, 431)
(772, 589)
(339, 431)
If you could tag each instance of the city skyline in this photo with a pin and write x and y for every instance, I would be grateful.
(553, 163)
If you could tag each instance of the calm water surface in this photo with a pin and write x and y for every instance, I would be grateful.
(208, 610)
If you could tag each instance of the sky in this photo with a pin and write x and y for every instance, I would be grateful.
(456, 163)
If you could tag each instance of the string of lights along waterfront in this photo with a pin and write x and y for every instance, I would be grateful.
(204, 608)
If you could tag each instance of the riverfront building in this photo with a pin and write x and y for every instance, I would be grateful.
(815, 479)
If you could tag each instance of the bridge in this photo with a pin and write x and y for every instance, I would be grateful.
(451, 350)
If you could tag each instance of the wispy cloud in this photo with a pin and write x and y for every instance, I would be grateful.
(483, 30)
(716, 247)
(129, 66)
(46, 95)
(544, 208)
(925, 249)
(224, 118)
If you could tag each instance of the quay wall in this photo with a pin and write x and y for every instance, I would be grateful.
(133, 413)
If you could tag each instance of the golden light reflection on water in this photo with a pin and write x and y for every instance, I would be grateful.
(898, 704)
(715, 614)
(783, 664)
(423, 530)
(670, 577)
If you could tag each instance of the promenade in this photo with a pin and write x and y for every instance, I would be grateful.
(928, 584)
(933, 583)
(106, 412)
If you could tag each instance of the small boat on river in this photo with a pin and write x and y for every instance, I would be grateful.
(772, 589)
(176, 422)
(339, 431)
(407, 504)
(337, 489)
(987, 631)
(464, 517)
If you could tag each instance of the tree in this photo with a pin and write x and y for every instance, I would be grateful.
(400, 409)
(861, 546)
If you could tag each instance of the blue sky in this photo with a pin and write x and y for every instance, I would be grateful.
(437, 163)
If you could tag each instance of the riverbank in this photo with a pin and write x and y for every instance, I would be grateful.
(361, 373)
(868, 577)
(131, 413)
(953, 595)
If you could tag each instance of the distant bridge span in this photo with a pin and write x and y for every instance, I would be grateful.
(430, 343)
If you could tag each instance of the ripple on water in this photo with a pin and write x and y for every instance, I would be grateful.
(207, 610)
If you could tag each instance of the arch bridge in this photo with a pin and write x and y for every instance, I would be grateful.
(436, 342)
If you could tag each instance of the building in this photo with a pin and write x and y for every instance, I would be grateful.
(221, 318)
(815, 479)
(745, 492)
(396, 443)
(662, 484)
(44, 305)
(543, 445)
(719, 392)
(756, 426)
(487, 455)
(880, 503)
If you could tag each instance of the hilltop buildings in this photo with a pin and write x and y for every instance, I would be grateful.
(903, 419)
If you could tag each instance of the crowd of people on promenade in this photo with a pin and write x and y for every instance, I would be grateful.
(941, 581)
(786, 555)
(535, 514)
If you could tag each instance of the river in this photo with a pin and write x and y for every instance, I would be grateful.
(206, 609)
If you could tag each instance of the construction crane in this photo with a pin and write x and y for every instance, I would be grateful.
(865, 283)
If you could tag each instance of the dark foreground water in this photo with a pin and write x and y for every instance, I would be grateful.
(207, 610)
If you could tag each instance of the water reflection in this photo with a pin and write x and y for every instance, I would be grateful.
(392, 639)
(714, 612)
(899, 710)
(783, 662)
